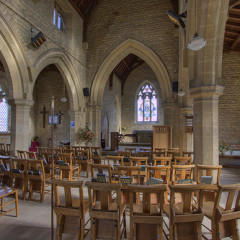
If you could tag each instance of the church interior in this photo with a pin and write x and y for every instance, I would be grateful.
(127, 111)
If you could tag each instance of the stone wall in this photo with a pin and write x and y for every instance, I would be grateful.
(135, 80)
(111, 109)
(229, 106)
(50, 84)
(113, 22)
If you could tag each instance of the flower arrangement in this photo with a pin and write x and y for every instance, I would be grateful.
(85, 135)
(224, 147)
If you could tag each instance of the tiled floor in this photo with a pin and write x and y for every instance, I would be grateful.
(34, 221)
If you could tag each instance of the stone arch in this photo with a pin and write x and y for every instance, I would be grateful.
(14, 62)
(125, 48)
(66, 69)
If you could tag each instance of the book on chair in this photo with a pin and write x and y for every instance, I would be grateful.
(153, 180)
(101, 177)
(206, 179)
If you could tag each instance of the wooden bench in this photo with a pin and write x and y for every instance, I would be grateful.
(5, 192)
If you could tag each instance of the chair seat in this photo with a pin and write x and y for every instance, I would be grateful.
(76, 204)
(208, 209)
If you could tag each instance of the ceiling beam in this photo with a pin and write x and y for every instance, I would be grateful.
(235, 43)
(73, 3)
(233, 3)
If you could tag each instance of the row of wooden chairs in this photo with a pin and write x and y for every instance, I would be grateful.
(147, 210)
(4, 149)
(27, 175)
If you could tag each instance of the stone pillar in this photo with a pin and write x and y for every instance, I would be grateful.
(205, 124)
(79, 119)
(20, 124)
(95, 120)
(186, 137)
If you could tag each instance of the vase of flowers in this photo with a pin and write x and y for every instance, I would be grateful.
(85, 135)
(224, 147)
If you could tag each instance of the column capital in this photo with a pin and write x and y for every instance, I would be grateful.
(95, 107)
(206, 92)
(20, 102)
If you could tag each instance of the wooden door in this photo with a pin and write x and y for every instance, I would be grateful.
(162, 136)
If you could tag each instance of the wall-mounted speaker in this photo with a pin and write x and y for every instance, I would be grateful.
(38, 40)
(175, 86)
(86, 92)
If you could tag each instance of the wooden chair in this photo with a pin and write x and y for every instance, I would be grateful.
(213, 173)
(172, 154)
(111, 160)
(146, 217)
(158, 154)
(96, 155)
(83, 160)
(7, 149)
(71, 210)
(67, 170)
(160, 149)
(48, 164)
(21, 154)
(35, 173)
(5, 170)
(108, 218)
(100, 168)
(182, 160)
(125, 153)
(2, 149)
(132, 150)
(137, 161)
(160, 172)
(187, 154)
(225, 212)
(185, 219)
(30, 155)
(6, 192)
(162, 161)
(144, 154)
(181, 172)
(73, 154)
(18, 175)
(76, 148)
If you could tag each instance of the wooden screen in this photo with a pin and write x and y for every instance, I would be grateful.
(162, 136)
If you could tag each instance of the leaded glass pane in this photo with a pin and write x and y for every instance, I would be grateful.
(154, 109)
(140, 109)
(3, 116)
(147, 116)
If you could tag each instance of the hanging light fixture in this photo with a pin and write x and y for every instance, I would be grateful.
(181, 93)
(197, 42)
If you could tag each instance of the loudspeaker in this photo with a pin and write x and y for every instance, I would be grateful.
(175, 86)
(86, 92)
(38, 40)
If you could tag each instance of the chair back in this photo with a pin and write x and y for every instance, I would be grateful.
(71, 151)
(210, 171)
(144, 154)
(182, 160)
(67, 159)
(2, 149)
(69, 204)
(136, 161)
(101, 168)
(145, 149)
(187, 154)
(7, 149)
(21, 154)
(226, 211)
(181, 172)
(125, 153)
(101, 197)
(96, 155)
(132, 150)
(162, 161)
(31, 155)
(160, 172)
(82, 155)
(114, 160)
(129, 171)
(35, 169)
(159, 154)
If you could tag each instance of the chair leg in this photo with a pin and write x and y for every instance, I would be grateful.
(131, 230)
(59, 227)
(124, 224)
(30, 191)
(235, 233)
(81, 234)
(16, 202)
(42, 191)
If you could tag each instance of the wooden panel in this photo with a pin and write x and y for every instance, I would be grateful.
(162, 136)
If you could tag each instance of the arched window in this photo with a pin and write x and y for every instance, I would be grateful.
(147, 104)
(3, 112)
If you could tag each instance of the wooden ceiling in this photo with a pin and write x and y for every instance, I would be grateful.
(232, 30)
(125, 67)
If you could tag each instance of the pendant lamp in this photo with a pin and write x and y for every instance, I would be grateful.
(197, 42)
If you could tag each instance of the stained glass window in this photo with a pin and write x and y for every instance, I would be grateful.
(3, 113)
(57, 17)
(147, 104)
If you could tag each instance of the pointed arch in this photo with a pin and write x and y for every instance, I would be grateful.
(65, 67)
(140, 50)
(14, 62)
